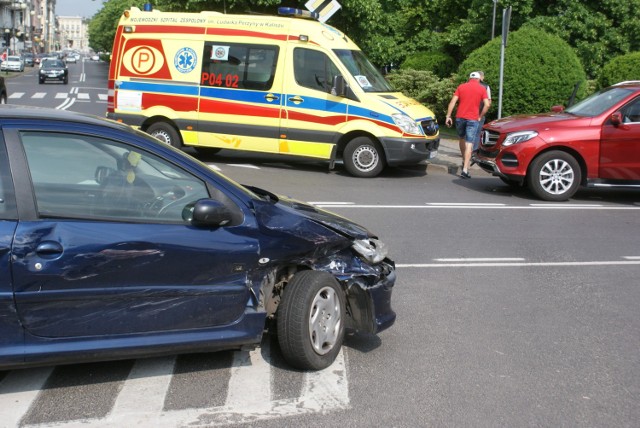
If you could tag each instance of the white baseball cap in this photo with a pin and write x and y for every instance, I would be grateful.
(475, 75)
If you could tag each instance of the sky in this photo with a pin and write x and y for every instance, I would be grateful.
(84, 8)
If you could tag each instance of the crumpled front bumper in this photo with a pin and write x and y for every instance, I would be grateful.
(368, 291)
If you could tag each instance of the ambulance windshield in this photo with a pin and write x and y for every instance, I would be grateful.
(367, 76)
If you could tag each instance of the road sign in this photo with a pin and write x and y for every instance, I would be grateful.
(324, 8)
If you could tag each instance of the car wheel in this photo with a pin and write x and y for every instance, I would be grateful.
(41, 81)
(310, 320)
(66, 80)
(165, 133)
(363, 157)
(554, 176)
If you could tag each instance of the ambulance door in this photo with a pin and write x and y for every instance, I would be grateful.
(312, 115)
(239, 107)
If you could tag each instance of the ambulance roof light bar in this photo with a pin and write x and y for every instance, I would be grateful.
(298, 13)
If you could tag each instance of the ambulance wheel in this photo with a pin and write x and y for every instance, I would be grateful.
(363, 157)
(165, 133)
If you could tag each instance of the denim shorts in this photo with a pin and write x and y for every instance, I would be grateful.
(467, 129)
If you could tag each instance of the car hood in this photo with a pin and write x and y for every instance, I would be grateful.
(404, 104)
(532, 122)
(294, 228)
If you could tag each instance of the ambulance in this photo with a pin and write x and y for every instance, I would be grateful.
(285, 84)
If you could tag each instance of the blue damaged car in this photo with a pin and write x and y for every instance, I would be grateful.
(115, 245)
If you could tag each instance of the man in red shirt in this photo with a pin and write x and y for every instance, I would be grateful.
(470, 94)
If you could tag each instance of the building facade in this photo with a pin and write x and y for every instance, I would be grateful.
(28, 26)
(73, 33)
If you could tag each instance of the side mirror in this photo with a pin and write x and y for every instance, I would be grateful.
(616, 118)
(207, 212)
(339, 87)
(557, 109)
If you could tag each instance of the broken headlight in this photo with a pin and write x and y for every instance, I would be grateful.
(372, 250)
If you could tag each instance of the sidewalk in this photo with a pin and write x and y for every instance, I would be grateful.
(449, 158)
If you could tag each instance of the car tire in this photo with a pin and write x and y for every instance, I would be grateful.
(165, 133)
(66, 80)
(554, 176)
(41, 81)
(363, 157)
(310, 320)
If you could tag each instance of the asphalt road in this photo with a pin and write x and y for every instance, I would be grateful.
(511, 312)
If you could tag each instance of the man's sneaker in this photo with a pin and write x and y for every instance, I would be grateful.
(465, 175)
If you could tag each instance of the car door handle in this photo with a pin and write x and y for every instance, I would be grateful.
(48, 249)
(271, 97)
(296, 99)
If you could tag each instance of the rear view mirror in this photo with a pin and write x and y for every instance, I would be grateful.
(557, 109)
(616, 118)
(207, 213)
(339, 89)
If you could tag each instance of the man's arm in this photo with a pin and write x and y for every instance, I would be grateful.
(452, 104)
(485, 107)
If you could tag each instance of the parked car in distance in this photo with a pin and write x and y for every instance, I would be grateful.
(115, 245)
(12, 63)
(53, 69)
(592, 143)
(70, 59)
(28, 58)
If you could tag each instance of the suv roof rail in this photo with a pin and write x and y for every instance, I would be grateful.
(627, 82)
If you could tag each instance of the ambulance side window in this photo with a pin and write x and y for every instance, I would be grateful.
(314, 69)
(239, 66)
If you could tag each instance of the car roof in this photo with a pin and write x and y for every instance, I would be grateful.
(17, 112)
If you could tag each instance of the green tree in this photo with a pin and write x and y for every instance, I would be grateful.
(621, 68)
(102, 27)
(540, 70)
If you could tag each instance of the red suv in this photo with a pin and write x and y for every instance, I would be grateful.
(593, 143)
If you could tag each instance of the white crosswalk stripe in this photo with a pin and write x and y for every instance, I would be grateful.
(100, 97)
(140, 401)
(19, 390)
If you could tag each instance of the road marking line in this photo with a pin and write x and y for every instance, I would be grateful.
(214, 167)
(141, 399)
(19, 389)
(62, 95)
(331, 203)
(38, 95)
(83, 96)
(464, 204)
(145, 388)
(506, 259)
(243, 165)
(515, 264)
(102, 97)
(631, 257)
(16, 95)
(484, 207)
(250, 372)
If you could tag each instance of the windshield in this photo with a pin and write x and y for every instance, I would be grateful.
(367, 76)
(599, 102)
